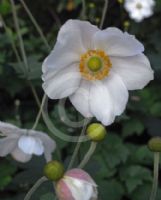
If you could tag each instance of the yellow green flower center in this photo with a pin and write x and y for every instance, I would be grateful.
(139, 6)
(95, 65)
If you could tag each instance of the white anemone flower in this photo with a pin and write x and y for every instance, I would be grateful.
(95, 68)
(139, 9)
(23, 143)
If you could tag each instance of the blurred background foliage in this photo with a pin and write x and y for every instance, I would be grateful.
(122, 165)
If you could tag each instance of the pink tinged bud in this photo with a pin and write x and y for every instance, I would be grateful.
(76, 185)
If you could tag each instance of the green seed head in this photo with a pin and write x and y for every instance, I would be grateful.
(154, 144)
(94, 63)
(54, 170)
(96, 132)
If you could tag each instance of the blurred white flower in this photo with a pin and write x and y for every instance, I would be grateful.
(76, 185)
(139, 9)
(95, 68)
(23, 143)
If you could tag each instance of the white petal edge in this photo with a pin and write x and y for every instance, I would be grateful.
(135, 71)
(101, 104)
(118, 92)
(8, 129)
(7, 145)
(80, 99)
(116, 43)
(63, 83)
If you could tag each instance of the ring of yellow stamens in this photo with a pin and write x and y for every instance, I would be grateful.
(95, 65)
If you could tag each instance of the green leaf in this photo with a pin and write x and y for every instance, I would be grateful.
(111, 189)
(143, 192)
(34, 71)
(6, 176)
(132, 126)
(134, 176)
(5, 7)
(156, 109)
(48, 196)
(115, 152)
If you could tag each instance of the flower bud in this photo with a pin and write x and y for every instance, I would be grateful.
(54, 170)
(154, 144)
(96, 132)
(76, 184)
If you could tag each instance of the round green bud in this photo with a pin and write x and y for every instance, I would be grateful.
(94, 63)
(54, 170)
(154, 144)
(96, 132)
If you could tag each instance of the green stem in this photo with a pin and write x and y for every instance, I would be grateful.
(104, 14)
(39, 113)
(11, 40)
(83, 9)
(156, 174)
(34, 188)
(88, 155)
(35, 24)
(76, 150)
(17, 27)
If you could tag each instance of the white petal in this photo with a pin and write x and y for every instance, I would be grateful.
(9, 129)
(81, 190)
(7, 145)
(63, 83)
(48, 143)
(80, 31)
(80, 99)
(135, 71)
(20, 156)
(74, 38)
(31, 145)
(101, 104)
(118, 92)
(117, 43)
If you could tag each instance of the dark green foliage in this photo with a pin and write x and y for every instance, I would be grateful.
(122, 164)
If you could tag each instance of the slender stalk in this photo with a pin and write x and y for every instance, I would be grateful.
(35, 24)
(10, 38)
(34, 93)
(34, 188)
(39, 113)
(156, 175)
(83, 9)
(88, 155)
(17, 27)
(76, 150)
(104, 14)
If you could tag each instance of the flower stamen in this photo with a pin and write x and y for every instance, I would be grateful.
(95, 65)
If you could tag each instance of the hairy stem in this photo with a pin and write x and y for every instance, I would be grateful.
(34, 188)
(88, 155)
(39, 113)
(76, 150)
(17, 27)
(104, 14)
(156, 175)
